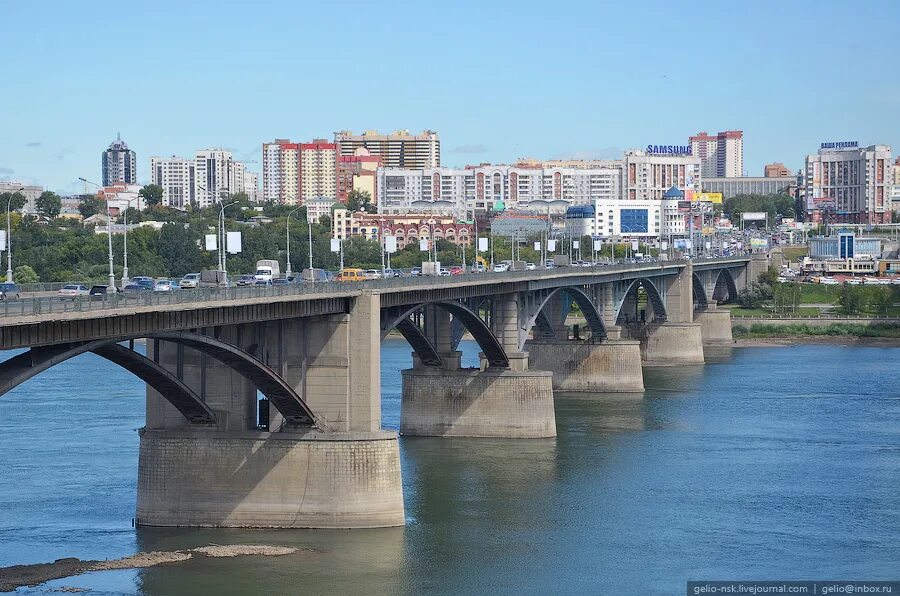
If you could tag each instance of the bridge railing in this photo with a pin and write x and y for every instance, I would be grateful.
(47, 305)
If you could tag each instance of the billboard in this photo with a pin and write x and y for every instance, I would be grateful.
(708, 197)
(233, 242)
(211, 242)
(754, 216)
(758, 243)
(335, 245)
(823, 204)
(634, 221)
(390, 244)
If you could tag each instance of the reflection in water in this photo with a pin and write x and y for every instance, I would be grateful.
(746, 467)
(320, 566)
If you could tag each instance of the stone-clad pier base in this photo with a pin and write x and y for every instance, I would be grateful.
(269, 480)
(472, 403)
(610, 367)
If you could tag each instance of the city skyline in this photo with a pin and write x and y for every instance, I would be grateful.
(655, 84)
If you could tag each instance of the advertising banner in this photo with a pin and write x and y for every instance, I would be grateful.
(537, 246)
(483, 244)
(390, 244)
(664, 245)
(598, 245)
(680, 243)
(2, 240)
(758, 243)
(233, 242)
(635, 246)
(754, 216)
(551, 245)
(335, 245)
(423, 244)
(576, 243)
(212, 242)
(709, 197)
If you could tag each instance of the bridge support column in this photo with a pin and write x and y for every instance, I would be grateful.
(344, 473)
(672, 344)
(512, 404)
(269, 480)
(507, 403)
(715, 325)
(609, 367)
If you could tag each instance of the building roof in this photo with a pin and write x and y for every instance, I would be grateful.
(674, 193)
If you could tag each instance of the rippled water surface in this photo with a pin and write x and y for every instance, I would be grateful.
(765, 463)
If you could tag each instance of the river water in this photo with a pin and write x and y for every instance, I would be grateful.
(767, 463)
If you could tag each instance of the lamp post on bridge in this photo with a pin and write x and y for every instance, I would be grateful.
(287, 237)
(9, 271)
(112, 275)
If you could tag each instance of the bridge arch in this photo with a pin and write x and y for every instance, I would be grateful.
(481, 333)
(24, 366)
(630, 296)
(725, 288)
(20, 368)
(588, 308)
(700, 300)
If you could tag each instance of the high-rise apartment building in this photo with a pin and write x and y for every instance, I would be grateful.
(119, 164)
(281, 172)
(846, 183)
(397, 150)
(776, 170)
(318, 170)
(487, 187)
(649, 176)
(212, 175)
(721, 155)
(176, 177)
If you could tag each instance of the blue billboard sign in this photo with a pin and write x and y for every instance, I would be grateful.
(841, 145)
(668, 149)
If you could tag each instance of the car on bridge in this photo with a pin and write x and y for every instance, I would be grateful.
(135, 289)
(393, 273)
(9, 291)
(245, 280)
(282, 281)
(73, 290)
(165, 285)
(351, 274)
(456, 270)
(100, 292)
(415, 272)
(191, 280)
(501, 267)
(372, 274)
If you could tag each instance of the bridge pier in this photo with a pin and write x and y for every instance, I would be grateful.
(715, 325)
(250, 472)
(511, 402)
(613, 366)
(672, 344)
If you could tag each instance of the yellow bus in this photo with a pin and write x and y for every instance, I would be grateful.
(351, 275)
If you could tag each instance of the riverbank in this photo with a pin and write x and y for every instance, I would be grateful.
(18, 576)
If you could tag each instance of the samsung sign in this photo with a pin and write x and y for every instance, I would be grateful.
(841, 145)
(668, 149)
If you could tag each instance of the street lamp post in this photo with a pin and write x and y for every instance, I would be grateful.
(125, 246)
(9, 271)
(309, 236)
(287, 237)
(223, 257)
(112, 275)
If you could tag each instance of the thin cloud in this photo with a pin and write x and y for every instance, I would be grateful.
(470, 149)
(7, 172)
(61, 154)
(33, 144)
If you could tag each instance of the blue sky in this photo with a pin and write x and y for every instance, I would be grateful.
(496, 80)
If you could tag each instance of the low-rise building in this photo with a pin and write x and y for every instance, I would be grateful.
(626, 219)
(752, 185)
(407, 229)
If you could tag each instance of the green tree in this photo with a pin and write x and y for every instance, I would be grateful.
(15, 200)
(132, 215)
(359, 201)
(881, 299)
(178, 250)
(152, 195)
(852, 299)
(23, 274)
(49, 204)
(755, 295)
(89, 205)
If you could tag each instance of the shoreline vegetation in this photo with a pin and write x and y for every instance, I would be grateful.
(878, 334)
